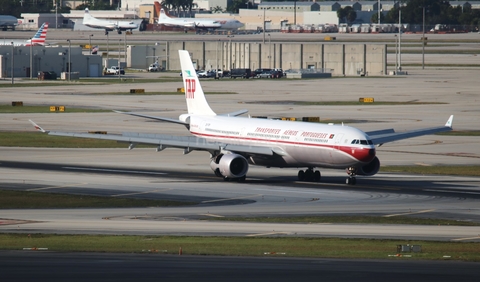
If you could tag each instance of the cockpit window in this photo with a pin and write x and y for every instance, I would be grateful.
(362, 142)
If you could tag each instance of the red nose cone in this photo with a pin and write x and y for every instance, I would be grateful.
(365, 155)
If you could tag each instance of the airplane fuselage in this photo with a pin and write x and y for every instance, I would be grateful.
(297, 143)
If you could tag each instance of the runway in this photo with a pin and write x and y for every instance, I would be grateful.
(21, 266)
(265, 193)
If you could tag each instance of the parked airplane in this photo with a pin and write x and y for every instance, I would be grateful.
(235, 142)
(107, 25)
(198, 23)
(37, 40)
(7, 21)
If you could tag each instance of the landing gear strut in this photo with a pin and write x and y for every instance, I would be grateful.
(309, 175)
(352, 172)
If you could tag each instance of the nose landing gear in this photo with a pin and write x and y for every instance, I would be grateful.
(352, 172)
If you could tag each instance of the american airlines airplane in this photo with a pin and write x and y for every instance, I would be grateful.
(198, 23)
(37, 40)
(236, 142)
(107, 25)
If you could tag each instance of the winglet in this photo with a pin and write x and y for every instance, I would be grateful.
(37, 127)
(449, 122)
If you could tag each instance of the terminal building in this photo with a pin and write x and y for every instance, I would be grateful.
(29, 61)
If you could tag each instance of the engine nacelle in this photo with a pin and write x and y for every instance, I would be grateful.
(184, 118)
(230, 165)
(370, 169)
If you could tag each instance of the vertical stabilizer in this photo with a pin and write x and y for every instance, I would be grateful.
(39, 37)
(196, 102)
(87, 17)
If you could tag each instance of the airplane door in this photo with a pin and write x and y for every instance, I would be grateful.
(338, 140)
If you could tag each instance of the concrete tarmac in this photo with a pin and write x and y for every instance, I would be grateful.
(438, 93)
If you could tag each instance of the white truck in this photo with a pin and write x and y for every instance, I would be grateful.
(114, 70)
(154, 67)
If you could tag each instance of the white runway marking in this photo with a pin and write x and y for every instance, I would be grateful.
(56, 187)
(236, 198)
(443, 191)
(463, 239)
(139, 193)
(408, 213)
(114, 170)
(212, 215)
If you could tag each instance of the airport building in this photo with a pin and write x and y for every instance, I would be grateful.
(28, 61)
(339, 59)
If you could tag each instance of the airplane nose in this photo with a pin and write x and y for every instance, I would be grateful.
(366, 155)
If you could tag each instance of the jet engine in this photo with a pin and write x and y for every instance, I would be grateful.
(229, 165)
(369, 169)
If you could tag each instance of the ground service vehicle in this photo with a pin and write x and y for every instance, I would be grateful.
(114, 70)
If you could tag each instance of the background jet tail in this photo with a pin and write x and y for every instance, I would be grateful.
(87, 17)
(41, 35)
(196, 101)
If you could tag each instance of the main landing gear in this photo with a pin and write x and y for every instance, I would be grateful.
(309, 175)
(352, 172)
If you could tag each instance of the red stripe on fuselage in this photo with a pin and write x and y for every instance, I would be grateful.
(364, 155)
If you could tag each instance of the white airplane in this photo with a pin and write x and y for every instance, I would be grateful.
(198, 23)
(235, 142)
(107, 25)
(37, 40)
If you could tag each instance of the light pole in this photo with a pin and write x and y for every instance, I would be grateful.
(216, 59)
(13, 62)
(230, 51)
(56, 14)
(90, 42)
(396, 54)
(269, 52)
(31, 60)
(69, 58)
(423, 40)
(125, 49)
(119, 41)
(106, 64)
(400, 39)
(264, 9)
(378, 8)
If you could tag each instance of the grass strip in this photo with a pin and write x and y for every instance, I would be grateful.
(349, 220)
(8, 109)
(470, 170)
(10, 199)
(241, 246)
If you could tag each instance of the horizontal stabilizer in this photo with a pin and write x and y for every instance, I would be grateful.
(236, 113)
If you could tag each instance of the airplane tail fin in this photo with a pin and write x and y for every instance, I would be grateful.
(41, 35)
(163, 14)
(87, 17)
(196, 101)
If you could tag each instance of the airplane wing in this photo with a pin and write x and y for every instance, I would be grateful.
(154, 117)
(162, 141)
(389, 135)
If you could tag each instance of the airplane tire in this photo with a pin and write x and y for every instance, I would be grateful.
(317, 176)
(301, 175)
